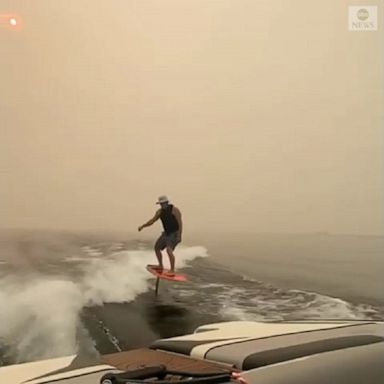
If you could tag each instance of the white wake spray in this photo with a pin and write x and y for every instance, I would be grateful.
(40, 315)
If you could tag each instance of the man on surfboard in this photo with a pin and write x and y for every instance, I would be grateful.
(170, 216)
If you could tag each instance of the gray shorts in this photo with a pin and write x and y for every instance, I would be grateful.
(167, 240)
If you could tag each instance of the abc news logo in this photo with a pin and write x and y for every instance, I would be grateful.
(362, 18)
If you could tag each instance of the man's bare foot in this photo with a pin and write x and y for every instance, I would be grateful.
(170, 273)
(157, 267)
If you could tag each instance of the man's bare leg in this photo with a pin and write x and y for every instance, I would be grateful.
(159, 256)
(171, 259)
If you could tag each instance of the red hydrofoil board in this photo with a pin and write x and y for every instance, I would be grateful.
(163, 274)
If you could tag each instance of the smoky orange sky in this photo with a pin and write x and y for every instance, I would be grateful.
(256, 116)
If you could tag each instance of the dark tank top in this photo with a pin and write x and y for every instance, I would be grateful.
(168, 219)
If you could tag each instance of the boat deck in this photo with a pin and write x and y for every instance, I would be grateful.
(138, 358)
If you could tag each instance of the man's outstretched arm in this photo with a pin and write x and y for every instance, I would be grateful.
(150, 222)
